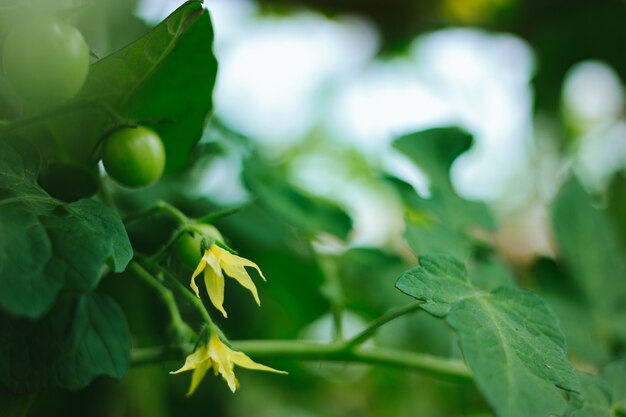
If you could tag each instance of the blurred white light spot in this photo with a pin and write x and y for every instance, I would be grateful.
(602, 152)
(376, 214)
(469, 56)
(154, 11)
(375, 210)
(220, 181)
(384, 101)
(230, 18)
(592, 93)
(485, 79)
(272, 82)
(477, 80)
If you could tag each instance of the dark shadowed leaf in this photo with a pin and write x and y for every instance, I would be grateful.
(78, 340)
(48, 245)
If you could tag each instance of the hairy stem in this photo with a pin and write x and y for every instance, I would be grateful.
(332, 291)
(449, 369)
(181, 289)
(211, 217)
(370, 330)
(165, 294)
(160, 206)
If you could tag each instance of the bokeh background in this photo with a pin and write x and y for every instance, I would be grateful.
(318, 89)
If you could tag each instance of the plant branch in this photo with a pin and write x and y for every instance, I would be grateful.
(380, 321)
(170, 243)
(181, 289)
(104, 194)
(332, 291)
(160, 206)
(211, 217)
(449, 369)
(166, 295)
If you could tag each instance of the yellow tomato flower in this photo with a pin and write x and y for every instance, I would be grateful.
(222, 359)
(214, 261)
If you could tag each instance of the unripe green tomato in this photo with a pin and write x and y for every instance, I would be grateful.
(189, 248)
(134, 157)
(45, 59)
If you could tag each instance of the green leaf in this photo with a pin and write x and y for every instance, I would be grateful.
(602, 395)
(575, 316)
(48, 245)
(444, 222)
(166, 76)
(509, 338)
(298, 208)
(617, 205)
(78, 340)
(594, 257)
(435, 150)
(594, 399)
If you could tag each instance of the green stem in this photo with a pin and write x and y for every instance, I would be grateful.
(211, 217)
(380, 321)
(166, 296)
(173, 211)
(104, 194)
(450, 369)
(182, 290)
(332, 291)
(160, 206)
(161, 253)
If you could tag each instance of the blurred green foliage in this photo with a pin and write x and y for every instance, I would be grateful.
(512, 340)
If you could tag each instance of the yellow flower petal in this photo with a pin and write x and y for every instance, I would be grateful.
(220, 356)
(233, 265)
(213, 262)
(241, 276)
(199, 269)
(198, 375)
(241, 359)
(215, 287)
(228, 258)
(222, 359)
(192, 361)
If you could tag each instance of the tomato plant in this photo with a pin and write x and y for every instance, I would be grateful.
(96, 278)
(45, 59)
(134, 156)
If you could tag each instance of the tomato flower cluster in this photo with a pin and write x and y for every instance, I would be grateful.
(217, 355)
(214, 262)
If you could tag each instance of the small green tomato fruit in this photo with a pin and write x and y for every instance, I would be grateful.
(189, 248)
(134, 157)
(45, 59)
